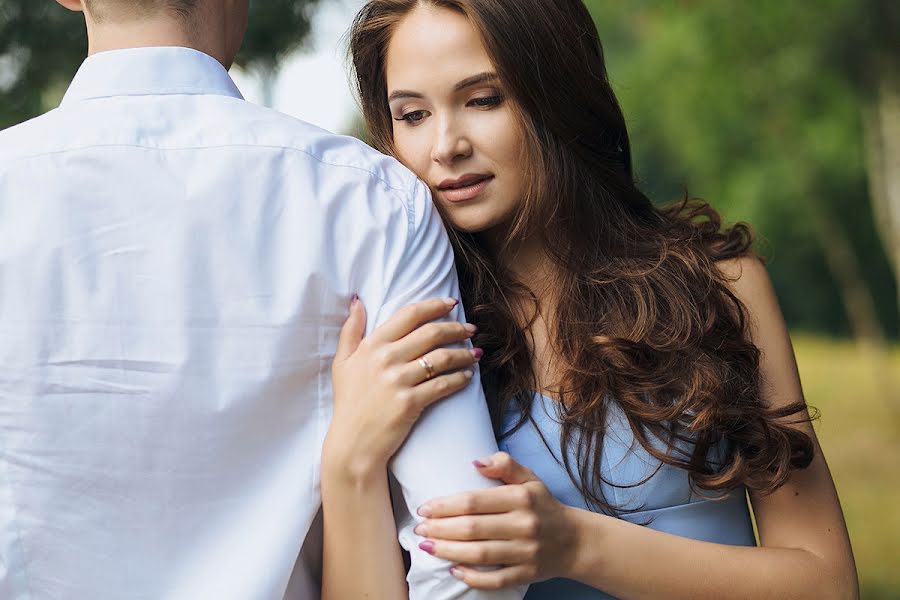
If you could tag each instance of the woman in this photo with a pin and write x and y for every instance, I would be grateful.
(635, 359)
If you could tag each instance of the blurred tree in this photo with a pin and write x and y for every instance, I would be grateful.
(760, 106)
(877, 66)
(276, 28)
(42, 45)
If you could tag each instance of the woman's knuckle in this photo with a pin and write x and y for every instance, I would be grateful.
(531, 526)
(469, 528)
(382, 356)
(405, 400)
(432, 334)
(392, 377)
(520, 496)
(454, 332)
(444, 358)
(454, 359)
(436, 359)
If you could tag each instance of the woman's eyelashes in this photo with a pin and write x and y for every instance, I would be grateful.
(486, 101)
(414, 117)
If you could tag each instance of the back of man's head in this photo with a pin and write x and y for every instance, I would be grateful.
(215, 27)
(129, 10)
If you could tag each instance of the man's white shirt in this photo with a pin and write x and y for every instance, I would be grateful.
(175, 266)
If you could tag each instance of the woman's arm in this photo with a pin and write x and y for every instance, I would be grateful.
(805, 549)
(361, 557)
(380, 390)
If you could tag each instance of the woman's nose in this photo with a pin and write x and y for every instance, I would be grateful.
(451, 144)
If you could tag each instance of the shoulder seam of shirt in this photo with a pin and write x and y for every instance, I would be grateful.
(410, 228)
(319, 159)
(410, 215)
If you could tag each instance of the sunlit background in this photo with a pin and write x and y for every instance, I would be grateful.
(783, 114)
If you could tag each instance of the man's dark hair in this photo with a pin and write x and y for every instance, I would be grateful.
(106, 10)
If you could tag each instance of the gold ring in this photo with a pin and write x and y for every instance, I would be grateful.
(429, 368)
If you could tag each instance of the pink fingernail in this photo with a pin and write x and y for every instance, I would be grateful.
(451, 302)
(477, 353)
(482, 463)
(471, 328)
(354, 300)
(427, 546)
(424, 511)
(456, 572)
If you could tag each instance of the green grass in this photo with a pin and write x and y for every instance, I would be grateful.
(861, 440)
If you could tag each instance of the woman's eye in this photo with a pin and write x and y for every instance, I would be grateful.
(412, 117)
(486, 102)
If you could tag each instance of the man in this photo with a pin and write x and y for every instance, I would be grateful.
(175, 266)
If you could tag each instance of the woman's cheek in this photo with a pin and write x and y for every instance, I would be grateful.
(500, 136)
(412, 150)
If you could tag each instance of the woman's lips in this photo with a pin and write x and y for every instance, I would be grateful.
(469, 192)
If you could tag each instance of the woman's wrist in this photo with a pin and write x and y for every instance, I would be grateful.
(342, 466)
(589, 533)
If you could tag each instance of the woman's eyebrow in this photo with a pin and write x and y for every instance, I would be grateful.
(475, 80)
(399, 94)
(467, 82)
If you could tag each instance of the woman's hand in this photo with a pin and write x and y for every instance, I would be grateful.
(520, 526)
(384, 382)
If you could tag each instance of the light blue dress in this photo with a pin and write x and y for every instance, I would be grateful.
(666, 498)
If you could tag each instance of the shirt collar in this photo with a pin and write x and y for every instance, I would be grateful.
(150, 71)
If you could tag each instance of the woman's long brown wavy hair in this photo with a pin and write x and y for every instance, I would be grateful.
(643, 316)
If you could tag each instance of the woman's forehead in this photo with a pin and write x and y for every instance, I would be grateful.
(434, 45)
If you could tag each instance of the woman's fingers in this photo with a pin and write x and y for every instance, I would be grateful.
(441, 362)
(433, 335)
(494, 580)
(409, 318)
(501, 499)
(352, 332)
(426, 394)
(488, 553)
(502, 467)
(506, 526)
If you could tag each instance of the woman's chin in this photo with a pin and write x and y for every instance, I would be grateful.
(473, 223)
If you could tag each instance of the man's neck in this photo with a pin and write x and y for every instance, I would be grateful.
(158, 31)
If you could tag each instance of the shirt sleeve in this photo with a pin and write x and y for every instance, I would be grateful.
(436, 459)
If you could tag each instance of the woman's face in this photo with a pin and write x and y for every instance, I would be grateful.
(453, 125)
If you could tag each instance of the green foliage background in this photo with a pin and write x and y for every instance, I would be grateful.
(756, 107)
